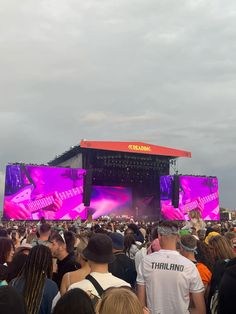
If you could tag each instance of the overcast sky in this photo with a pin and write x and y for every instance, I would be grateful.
(158, 71)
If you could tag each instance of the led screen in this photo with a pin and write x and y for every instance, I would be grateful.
(110, 200)
(32, 192)
(195, 193)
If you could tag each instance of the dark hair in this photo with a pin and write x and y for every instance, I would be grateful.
(129, 240)
(5, 248)
(37, 268)
(44, 228)
(74, 301)
(16, 266)
(3, 232)
(66, 237)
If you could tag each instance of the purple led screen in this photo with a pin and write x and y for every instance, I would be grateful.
(195, 193)
(32, 192)
(110, 201)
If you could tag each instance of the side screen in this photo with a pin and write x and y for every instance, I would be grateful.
(32, 192)
(195, 194)
(107, 200)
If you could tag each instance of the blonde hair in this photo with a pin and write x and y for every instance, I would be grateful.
(83, 242)
(221, 248)
(119, 301)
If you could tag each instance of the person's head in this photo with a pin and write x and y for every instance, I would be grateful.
(3, 232)
(44, 230)
(221, 248)
(201, 233)
(37, 268)
(62, 243)
(99, 249)
(188, 245)
(119, 301)
(16, 266)
(168, 234)
(129, 240)
(83, 242)
(74, 301)
(205, 255)
(195, 214)
(231, 238)
(6, 250)
(117, 241)
(11, 301)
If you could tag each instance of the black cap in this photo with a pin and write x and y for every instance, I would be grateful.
(99, 249)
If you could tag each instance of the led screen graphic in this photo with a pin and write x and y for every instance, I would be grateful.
(32, 192)
(195, 193)
(110, 200)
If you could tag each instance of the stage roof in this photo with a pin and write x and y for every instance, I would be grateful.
(129, 147)
(135, 147)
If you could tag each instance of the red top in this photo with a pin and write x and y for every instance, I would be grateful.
(135, 147)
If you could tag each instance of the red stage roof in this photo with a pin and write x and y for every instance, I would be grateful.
(135, 147)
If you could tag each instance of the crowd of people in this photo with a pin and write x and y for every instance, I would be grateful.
(116, 267)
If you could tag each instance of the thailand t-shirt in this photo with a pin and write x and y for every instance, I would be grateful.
(169, 278)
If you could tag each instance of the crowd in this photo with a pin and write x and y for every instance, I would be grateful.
(117, 267)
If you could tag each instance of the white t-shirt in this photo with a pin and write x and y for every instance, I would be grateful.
(169, 278)
(139, 256)
(106, 280)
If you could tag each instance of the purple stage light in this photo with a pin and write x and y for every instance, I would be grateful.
(32, 192)
(195, 193)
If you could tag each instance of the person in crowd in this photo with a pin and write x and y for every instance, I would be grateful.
(205, 264)
(6, 251)
(188, 247)
(222, 250)
(122, 267)
(18, 261)
(11, 301)
(195, 251)
(75, 301)
(6, 256)
(79, 274)
(3, 233)
(120, 301)
(224, 256)
(62, 248)
(231, 237)
(35, 283)
(133, 229)
(166, 279)
(44, 234)
(226, 297)
(99, 255)
(130, 246)
(201, 233)
(15, 238)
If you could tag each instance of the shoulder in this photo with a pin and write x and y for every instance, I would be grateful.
(51, 285)
(83, 284)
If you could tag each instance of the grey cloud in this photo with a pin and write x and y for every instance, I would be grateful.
(162, 72)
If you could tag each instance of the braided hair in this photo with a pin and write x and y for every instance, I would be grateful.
(37, 269)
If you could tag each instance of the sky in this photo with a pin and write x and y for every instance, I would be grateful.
(158, 71)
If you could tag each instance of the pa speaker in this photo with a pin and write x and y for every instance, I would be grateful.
(175, 191)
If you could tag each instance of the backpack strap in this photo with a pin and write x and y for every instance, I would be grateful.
(96, 285)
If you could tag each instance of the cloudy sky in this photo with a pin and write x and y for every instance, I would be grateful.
(158, 71)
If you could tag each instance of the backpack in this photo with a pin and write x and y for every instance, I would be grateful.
(98, 288)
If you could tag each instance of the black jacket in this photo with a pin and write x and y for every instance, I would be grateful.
(123, 267)
(66, 265)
